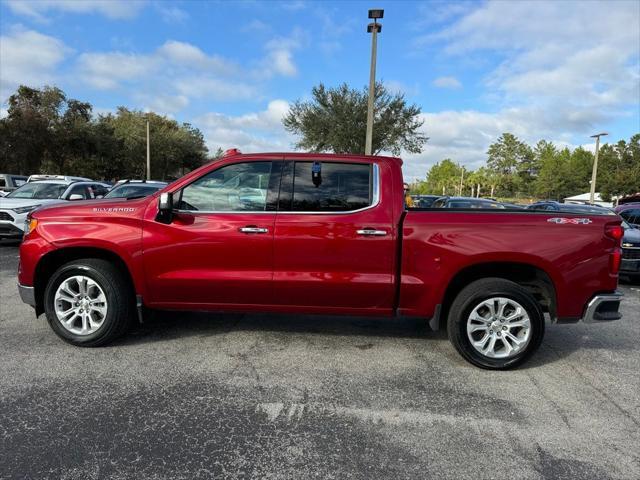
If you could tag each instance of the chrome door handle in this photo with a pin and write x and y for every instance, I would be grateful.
(370, 232)
(254, 230)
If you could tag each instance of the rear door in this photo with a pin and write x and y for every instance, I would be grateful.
(218, 251)
(334, 242)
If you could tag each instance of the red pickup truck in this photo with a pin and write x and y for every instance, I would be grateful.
(324, 234)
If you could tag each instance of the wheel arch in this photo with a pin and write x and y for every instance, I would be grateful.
(53, 260)
(533, 278)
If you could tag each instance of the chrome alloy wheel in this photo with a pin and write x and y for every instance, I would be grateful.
(499, 328)
(80, 305)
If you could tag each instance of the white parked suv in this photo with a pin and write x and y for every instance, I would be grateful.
(16, 205)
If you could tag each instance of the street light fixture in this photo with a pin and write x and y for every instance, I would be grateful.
(373, 28)
(594, 173)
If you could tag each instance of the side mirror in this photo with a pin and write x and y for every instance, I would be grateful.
(165, 208)
(76, 196)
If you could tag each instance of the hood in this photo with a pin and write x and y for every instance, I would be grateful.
(10, 203)
(107, 207)
(632, 235)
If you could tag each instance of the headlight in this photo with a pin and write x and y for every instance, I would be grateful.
(30, 225)
(25, 209)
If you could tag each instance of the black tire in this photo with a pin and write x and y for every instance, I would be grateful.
(471, 296)
(117, 289)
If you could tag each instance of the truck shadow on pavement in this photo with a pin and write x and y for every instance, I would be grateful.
(560, 341)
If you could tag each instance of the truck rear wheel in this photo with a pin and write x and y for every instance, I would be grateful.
(495, 324)
(89, 302)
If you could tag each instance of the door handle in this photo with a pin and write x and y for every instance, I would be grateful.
(253, 229)
(371, 232)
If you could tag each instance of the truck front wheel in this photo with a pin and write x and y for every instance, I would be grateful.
(495, 323)
(89, 302)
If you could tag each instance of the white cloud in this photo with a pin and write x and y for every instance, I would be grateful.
(30, 58)
(107, 71)
(163, 104)
(213, 88)
(447, 82)
(279, 56)
(172, 14)
(114, 9)
(185, 67)
(251, 132)
(189, 55)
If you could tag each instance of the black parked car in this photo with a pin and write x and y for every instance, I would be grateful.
(135, 188)
(630, 264)
(424, 201)
(553, 206)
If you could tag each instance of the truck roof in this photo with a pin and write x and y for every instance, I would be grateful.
(318, 156)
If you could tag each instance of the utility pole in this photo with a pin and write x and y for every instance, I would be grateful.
(148, 154)
(594, 173)
(461, 179)
(373, 28)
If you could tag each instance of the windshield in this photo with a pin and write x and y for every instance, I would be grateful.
(131, 190)
(40, 191)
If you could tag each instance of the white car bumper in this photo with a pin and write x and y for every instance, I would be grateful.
(11, 223)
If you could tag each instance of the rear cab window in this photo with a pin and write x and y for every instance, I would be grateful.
(318, 187)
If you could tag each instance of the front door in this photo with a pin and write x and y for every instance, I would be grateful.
(218, 250)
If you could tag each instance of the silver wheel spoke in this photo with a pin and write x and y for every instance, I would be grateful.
(71, 320)
(475, 328)
(507, 345)
(514, 339)
(489, 348)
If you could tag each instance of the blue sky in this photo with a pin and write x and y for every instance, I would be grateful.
(554, 70)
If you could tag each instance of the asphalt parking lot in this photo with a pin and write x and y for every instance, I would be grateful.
(191, 396)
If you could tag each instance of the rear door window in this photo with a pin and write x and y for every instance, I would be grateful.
(331, 187)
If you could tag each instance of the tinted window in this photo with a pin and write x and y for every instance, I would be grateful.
(99, 190)
(3, 183)
(240, 187)
(337, 187)
(632, 215)
(133, 190)
(39, 191)
(79, 190)
(18, 182)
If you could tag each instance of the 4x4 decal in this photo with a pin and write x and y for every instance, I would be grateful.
(572, 221)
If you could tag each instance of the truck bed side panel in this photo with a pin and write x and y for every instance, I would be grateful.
(439, 244)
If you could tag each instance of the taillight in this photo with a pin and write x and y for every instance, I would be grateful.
(616, 232)
(614, 262)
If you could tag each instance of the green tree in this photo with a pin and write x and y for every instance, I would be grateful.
(443, 178)
(335, 121)
(46, 132)
(514, 163)
(619, 168)
(29, 129)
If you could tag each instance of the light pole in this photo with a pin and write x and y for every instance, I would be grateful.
(594, 173)
(373, 28)
(148, 153)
